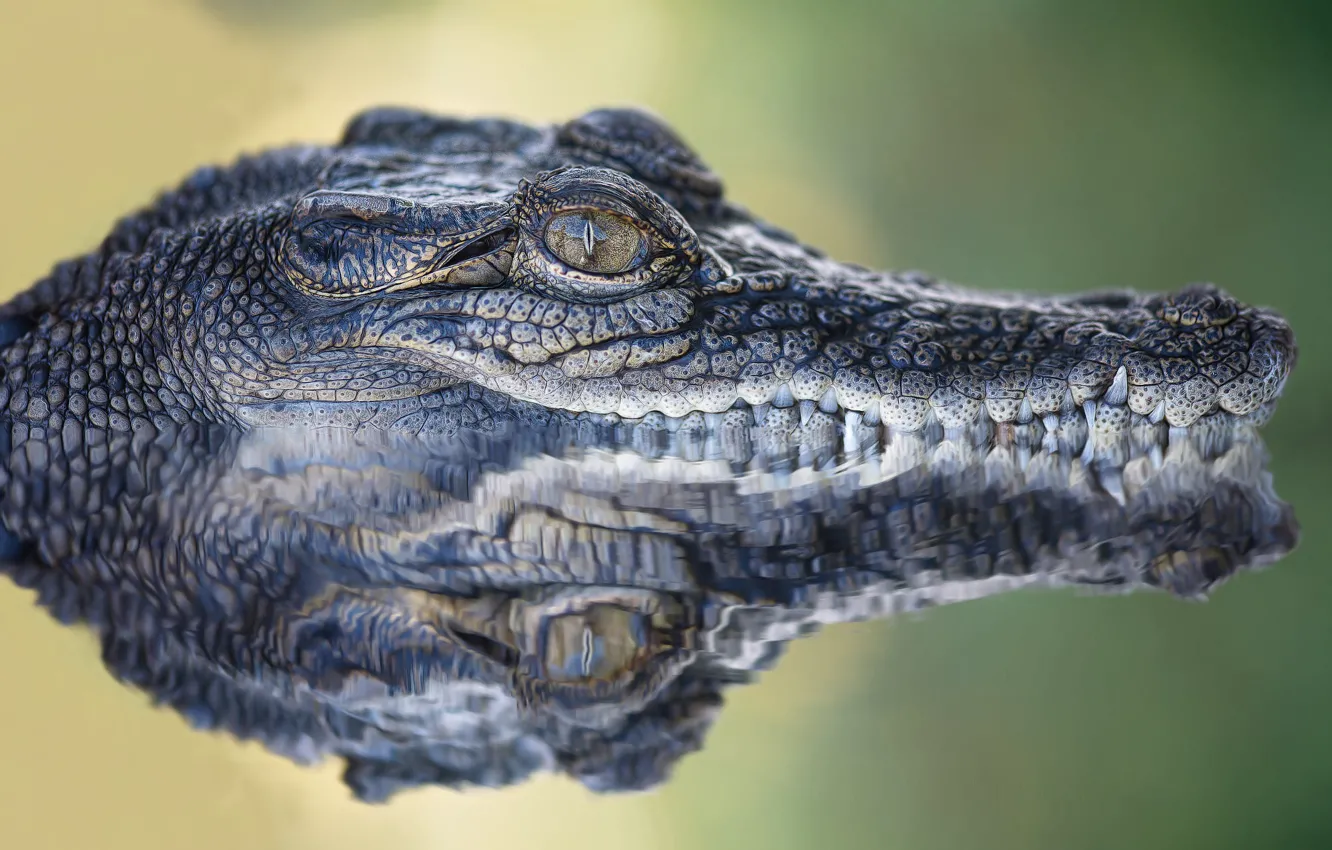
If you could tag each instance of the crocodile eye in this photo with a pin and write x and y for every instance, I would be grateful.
(596, 241)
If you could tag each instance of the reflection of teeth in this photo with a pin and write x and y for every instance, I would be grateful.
(1157, 456)
(1099, 433)
(852, 436)
(1112, 480)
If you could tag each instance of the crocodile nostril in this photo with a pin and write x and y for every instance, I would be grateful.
(1203, 305)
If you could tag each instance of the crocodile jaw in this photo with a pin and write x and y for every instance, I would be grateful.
(899, 350)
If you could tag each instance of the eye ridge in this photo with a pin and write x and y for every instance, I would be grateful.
(596, 241)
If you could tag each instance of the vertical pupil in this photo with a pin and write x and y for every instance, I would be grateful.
(594, 241)
(589, 238)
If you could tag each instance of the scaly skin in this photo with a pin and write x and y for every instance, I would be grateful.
(333, 450)
(351, 284)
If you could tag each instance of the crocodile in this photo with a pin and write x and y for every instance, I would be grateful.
(466, 448)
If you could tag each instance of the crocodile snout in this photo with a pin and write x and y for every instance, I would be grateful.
(1201, 352)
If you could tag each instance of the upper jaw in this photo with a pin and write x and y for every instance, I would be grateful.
(1162, 359)
(898, 350)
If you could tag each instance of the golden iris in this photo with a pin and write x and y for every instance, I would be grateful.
(596, 241)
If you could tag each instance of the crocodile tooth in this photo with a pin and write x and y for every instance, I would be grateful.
(1025, 413)
(1118, 392)
(1051, 422)
(783, 397)
(713, 420)
(807, 407)
(1158, 412)
(871, 415)
(1156, 456)
(1089, 448)
(761, 412)
(828, 404)
(1068, 403)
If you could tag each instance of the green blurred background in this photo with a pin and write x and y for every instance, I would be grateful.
(1027, 144)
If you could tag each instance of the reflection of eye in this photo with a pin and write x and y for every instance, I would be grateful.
(600, 643)
(596, 241)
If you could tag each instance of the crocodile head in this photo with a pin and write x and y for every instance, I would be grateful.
(590, 268)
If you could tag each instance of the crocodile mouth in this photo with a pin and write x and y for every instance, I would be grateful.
(1085, 373)
(1113, 385)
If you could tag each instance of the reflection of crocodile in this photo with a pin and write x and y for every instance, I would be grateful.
(497, 603)
(466, 448)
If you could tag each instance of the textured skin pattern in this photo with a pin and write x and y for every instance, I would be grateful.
(336, 449)
(351, 283)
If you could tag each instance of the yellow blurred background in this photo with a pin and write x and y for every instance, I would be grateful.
(1026, 144)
